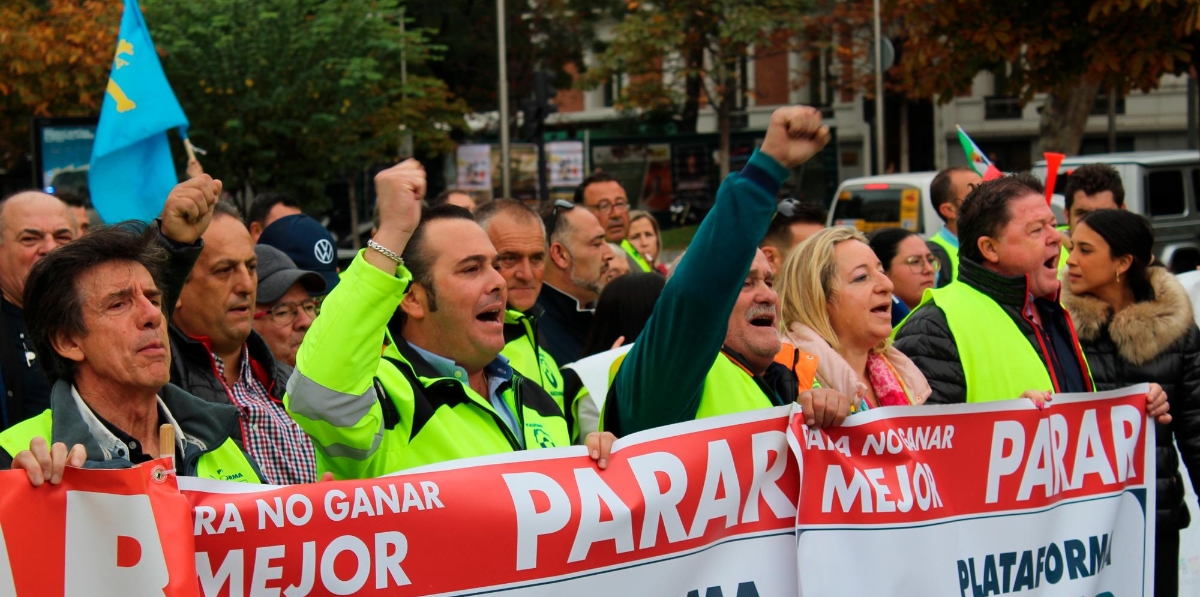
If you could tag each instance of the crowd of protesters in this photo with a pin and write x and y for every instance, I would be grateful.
(458, 330)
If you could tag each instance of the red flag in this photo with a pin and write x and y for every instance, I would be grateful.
(1053, 161)
(992, 173)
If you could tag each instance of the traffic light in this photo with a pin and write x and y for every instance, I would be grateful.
(544, 92)
(530, 120)
(535, 111)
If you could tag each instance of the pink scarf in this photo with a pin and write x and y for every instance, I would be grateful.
(889, 390)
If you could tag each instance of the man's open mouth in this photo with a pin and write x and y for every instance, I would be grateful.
(491, 316)
(763, 321)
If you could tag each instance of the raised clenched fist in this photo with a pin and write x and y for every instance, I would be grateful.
(795, 135)
(399, 191)
(189, 208)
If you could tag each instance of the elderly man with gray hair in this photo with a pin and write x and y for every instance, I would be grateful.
(287, 301)
(97, 312)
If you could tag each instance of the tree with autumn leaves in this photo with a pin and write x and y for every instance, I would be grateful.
(1069, 50)
(285, 95)
(54, 61)
(680, 54)
(291, 94)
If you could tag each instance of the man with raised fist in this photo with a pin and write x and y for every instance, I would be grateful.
(441, 390)
(97, 312)
(686, 364)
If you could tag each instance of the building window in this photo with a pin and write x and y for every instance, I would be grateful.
(1101, 106)
(1001, 108)
(612, 90)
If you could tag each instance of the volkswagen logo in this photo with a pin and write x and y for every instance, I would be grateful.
(323, 251)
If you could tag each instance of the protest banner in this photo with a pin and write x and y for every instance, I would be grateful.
(969, 500)
(708, 506)
(100, 533)
(984, 499)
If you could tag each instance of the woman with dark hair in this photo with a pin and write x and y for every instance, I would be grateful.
(624, 306)
(908, 263)
(622, 311)
(1135, 325)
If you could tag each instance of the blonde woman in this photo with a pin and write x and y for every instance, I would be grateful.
(836, 303)
(646, 238)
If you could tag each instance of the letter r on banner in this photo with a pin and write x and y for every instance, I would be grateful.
(98, 526)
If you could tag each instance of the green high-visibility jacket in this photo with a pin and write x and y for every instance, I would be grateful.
(637, 257)
(527, 357)
(209, 451)
(369, 415)
(951, 251)
(998, 361)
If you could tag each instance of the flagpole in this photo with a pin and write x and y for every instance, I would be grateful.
(191, 151)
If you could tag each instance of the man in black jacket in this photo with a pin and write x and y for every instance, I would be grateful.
(577, 258)
(32, 224)
(1008, 258)
(219, 357)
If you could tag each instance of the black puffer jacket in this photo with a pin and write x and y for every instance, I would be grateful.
(1151, 341)
(926, 339)
(193, 369)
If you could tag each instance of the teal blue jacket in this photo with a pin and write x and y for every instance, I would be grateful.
(662, 378)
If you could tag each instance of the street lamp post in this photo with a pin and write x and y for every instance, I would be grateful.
(879, 165)
(505, 175)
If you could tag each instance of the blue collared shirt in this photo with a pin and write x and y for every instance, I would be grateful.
(498, 373)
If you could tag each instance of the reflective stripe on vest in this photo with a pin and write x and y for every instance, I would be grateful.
(226, 463)
(951, 251)
(997, 359)
(632, 252)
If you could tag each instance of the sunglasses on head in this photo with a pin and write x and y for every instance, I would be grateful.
(552, 225)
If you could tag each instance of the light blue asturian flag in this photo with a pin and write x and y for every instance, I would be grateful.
(131, 171)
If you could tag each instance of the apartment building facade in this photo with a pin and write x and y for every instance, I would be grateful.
(918, 135)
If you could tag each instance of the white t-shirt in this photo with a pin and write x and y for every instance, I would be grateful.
(1191, 284)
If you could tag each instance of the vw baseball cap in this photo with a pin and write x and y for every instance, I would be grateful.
(307, 243)
(277, 273)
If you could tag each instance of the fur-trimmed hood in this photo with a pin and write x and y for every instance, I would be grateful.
(1143, 330)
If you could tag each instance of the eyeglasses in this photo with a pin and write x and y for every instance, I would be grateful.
(285, 313)
(552, 223)
(607, 206)
(916, 263)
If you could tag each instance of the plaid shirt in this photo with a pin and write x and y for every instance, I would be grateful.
(282, 450)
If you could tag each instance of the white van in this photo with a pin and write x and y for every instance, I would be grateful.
(894, 200)
(886, 201)
(1161, 185)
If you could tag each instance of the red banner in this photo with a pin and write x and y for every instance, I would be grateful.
(982, 499)
(533, 519)
(968, 500)
(99, 533)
